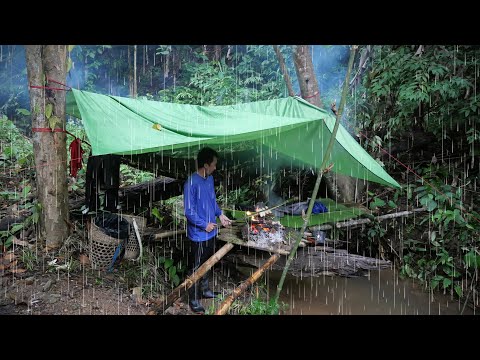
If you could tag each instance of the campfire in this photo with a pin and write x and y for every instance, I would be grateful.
(262, 228)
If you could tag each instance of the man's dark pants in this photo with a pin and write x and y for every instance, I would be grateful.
(200, 252)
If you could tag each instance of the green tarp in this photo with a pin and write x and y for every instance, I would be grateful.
(289, 127)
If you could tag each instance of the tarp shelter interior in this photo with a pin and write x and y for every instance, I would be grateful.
(286, 128)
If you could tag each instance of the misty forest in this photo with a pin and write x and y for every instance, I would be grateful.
(348, 175)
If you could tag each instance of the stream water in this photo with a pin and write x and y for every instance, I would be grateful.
(379, 293)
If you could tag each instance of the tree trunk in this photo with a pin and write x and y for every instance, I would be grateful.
(130, 73)
(306, 75)
(340, 187)
(48, 110)
(134, 92)
(284, 70)
(218, 52)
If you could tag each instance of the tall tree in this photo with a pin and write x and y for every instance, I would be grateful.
(134, 93)
(44, 63)
(340, 187)
(284, 70)
(307, 80)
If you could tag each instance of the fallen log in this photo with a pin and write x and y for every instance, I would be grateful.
(7, 222)
(317, 261)
(183, 287)
(225, 305)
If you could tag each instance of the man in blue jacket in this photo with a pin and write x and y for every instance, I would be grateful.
(201, 211)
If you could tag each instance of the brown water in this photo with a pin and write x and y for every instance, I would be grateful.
(379, 293)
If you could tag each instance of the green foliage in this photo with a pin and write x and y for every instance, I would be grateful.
(15, 149)
(171, 271)
(433, 89)
(255, 77)
(29, 258)
(450, 228)
(132, 176)
(377, 202)
(156, 213)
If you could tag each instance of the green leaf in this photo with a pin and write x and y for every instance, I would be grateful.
(9, 241)
(36, 217)
(435, 243)
(168, 263)
(432, 204)
(472, 259)
(175, 280)
(172, 271)
(392, 204)
(53, 121)
(434, 284)
(48, 110)
(446, 283)
(23, 112)
(458, 290)
(25, 191)
(156, 213)
(15, 228)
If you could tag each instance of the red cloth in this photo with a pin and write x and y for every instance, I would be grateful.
(76, 153)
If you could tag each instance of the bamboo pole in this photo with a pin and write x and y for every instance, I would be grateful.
(320, 172)
(356, 222)
(165, 234)
(187, 284)
(378, 218)
(225, 305)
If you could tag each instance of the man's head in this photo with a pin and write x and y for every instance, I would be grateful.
(207, 159)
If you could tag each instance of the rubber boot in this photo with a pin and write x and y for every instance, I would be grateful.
(206, 292)
(194, 302)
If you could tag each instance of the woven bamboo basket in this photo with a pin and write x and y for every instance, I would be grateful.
(102, 247)
(133, 248)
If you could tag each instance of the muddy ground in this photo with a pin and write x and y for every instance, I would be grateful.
(51, 290)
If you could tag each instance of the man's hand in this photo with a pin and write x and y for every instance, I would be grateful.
(210, 227)
(226, 222)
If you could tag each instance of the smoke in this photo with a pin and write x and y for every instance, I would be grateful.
(330, 64)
